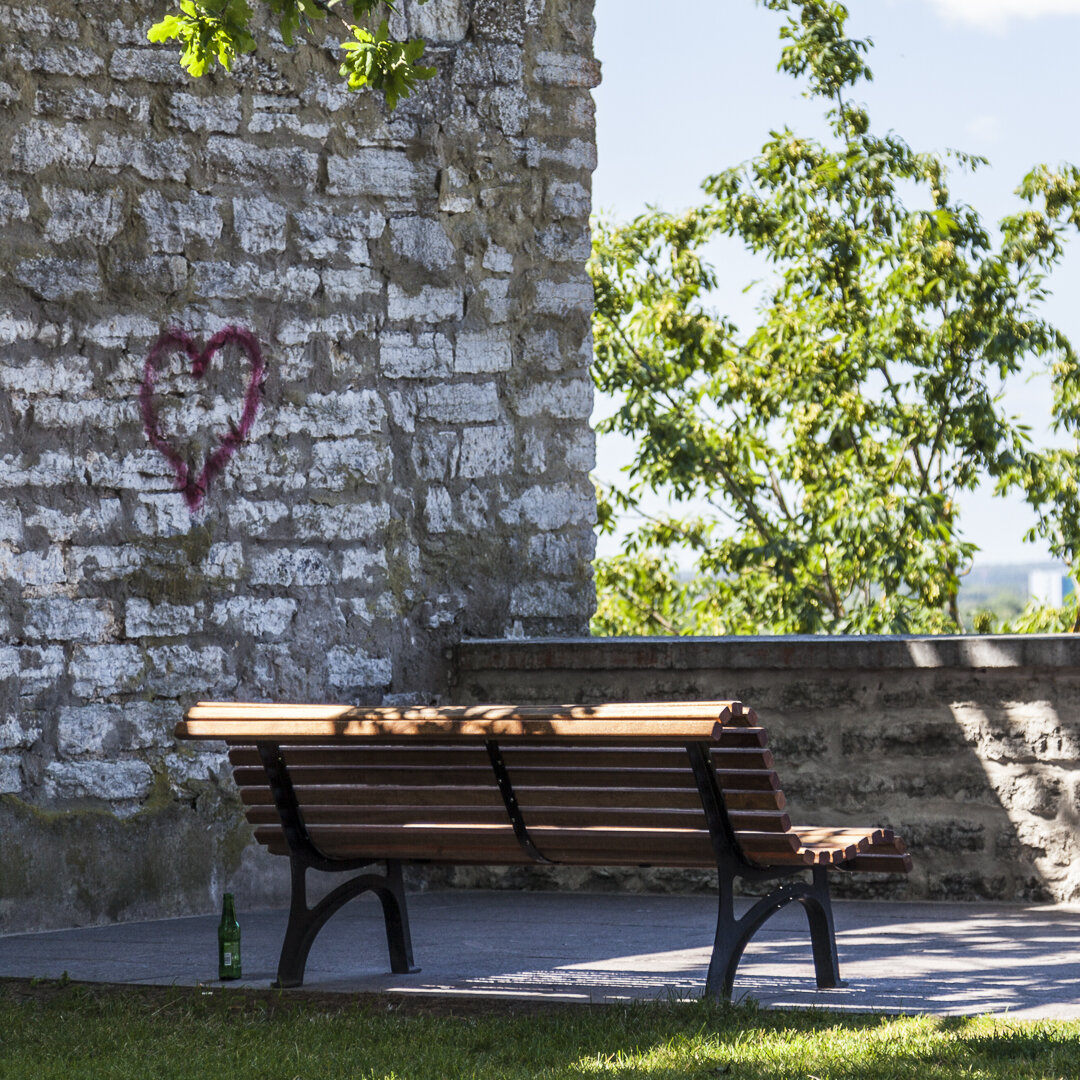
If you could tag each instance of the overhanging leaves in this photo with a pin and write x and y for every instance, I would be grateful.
(222, 30)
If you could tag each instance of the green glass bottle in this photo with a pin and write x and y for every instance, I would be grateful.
(228, 936)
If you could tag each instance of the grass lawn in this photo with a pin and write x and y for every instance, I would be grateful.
(83, 1032)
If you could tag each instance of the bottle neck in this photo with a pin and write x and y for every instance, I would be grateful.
(227, 911)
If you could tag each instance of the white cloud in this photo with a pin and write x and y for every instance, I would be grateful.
(995, 14)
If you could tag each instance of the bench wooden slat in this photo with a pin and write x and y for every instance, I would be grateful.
(483, 794)
(754, 800)
(623, 757)
(394, 776)
(284, 732)
(476, 845)
(479, 842)
(829, 855)
(244, 753)
(437, 757)
(431, 816)
(879, 864)
(617, 837)
(582, 780)
(272, 722)
(862, 838)
(358, 756)
(726, 738)
(518, 857)
(733, 758)
(748, 779)
(498, 845)
(802, 857)
(611, 712)
(264, 812)
(895, 844)
(832, 846)
(357, 796)
(760, 843)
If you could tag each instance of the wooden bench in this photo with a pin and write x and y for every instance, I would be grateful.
(338, 788)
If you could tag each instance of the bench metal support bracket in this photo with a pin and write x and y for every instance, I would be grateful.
(733, 934)
(304, 922)
(513, 808)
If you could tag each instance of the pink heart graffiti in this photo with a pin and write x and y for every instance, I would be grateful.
(175, 340)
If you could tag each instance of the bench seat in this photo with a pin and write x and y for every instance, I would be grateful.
(682, 785)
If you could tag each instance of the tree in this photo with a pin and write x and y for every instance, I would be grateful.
(826, 449)
(225, 29)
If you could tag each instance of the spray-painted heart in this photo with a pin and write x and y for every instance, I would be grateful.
(171, 341)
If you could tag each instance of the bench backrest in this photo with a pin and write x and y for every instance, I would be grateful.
(634, 803)
(618, 784)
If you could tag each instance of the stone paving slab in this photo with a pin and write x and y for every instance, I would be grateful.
(935, 958)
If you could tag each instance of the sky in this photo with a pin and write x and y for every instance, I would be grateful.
(687, 97)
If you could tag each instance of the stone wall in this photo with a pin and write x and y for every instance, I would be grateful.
(967, 746)
(416, 470)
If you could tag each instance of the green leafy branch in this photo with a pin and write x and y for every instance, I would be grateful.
(213, 29)
(834, 442)
(221, 30)
(377, 61)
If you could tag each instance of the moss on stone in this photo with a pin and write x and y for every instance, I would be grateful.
(96, 867)
(179, 581)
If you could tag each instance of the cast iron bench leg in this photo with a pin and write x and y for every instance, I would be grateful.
(305, 923)
(818, 907)
(733, 935)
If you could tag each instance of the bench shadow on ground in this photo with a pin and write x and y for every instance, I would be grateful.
(895, 958)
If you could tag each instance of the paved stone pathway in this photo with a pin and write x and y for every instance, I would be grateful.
(936, 958)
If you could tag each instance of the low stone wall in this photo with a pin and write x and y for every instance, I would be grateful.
(967, 746)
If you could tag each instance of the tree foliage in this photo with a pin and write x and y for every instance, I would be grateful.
(826, 450)
(221, 30)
